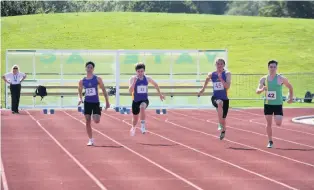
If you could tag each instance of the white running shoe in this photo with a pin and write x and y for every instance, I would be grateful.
(132, 131)
(219, 127)
(143, 128)
(90, 142)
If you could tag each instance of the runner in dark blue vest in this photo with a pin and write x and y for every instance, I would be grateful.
(221, 80)
(138, 87)
(91, 102)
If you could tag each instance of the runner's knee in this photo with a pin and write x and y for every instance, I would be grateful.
(220, 103)
(278, 120)
(87, 118)
(96, 118)
(278, 123)
(143, 105)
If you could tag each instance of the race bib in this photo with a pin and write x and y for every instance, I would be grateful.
(90, 92)
(218, 86)
(271, 95)
(141, 89)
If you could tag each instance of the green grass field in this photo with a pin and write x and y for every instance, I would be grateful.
(250, 41)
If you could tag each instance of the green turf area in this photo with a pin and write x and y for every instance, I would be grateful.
(250, 41)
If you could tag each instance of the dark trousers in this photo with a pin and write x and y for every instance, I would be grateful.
(15, 90)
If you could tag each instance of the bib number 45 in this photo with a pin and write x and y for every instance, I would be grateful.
(218, 86)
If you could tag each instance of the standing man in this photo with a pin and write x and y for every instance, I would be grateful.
(221, 83)
(272, 85)
(91, 102)
(138, 87)
(14, 78)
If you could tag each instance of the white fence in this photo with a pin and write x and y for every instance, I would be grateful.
(67, 67)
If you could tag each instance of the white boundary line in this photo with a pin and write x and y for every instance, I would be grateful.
(255, 108)
(292, 142)
(243, 111)
(211, 156)
(251, 121)
(4, 179)
(208, 134)
(100, 185)
(263, 124)
(209, 121)
(299, 119)
(140, 155)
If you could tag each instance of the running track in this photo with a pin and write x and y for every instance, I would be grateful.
(180, 151)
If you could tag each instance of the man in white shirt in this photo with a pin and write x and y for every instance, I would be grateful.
(14, 78)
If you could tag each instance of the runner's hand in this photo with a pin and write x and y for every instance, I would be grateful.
(80, 101)
(135, 78)
(290, 100)
(107, 105)
(162, 97)
(219, 76)
(264, 88)
(201, 92)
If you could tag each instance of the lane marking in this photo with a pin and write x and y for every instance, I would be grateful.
(3, 177)
(140, 155)
(100, 185)
(252, 147)
(256, 133)
(211, 156)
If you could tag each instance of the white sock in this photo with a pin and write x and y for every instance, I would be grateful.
(142, 122)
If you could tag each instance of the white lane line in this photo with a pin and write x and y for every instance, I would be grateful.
(292, 142)
(140, 155)
(263, 124)
(211, 156)
(3, 177)
(252, 147)
(100, 185)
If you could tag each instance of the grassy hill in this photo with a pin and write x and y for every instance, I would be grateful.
(251, 41)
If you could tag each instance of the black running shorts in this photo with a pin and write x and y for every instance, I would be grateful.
(136, 106)
(273, 109)
(92, 108)
(225, 106)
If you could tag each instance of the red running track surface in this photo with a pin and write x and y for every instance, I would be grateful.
(180, 151)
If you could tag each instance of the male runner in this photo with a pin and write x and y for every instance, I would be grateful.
(138, 87)
(272, 85)
(221, 83)
(91, 102)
